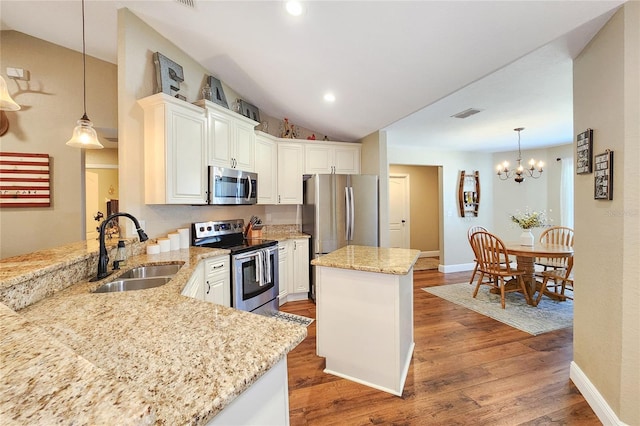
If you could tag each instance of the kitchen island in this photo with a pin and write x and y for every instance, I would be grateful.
(139, 357)
(364, 314)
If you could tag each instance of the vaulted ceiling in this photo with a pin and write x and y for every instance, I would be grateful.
(402, 66)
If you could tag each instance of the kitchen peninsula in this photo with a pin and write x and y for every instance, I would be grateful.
(364, 314)
(136, 357)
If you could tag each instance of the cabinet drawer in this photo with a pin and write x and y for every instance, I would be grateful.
(217, 265)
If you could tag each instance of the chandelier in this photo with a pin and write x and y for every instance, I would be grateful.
(520, 172)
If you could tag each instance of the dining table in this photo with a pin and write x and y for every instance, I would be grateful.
(526, 256)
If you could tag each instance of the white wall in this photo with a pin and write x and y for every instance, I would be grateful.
(542, 194)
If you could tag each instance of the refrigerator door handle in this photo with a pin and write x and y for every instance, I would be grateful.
(347, 233)
(352, 210)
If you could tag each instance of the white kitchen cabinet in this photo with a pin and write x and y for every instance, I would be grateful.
(290, 171)
(285, 269)
(195, 286)
(175, 168)
(267, 169)
(299, 285)
(230, 138)
(217, 280)
(328, 157)
(266, 402)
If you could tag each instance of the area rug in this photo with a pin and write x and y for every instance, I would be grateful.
(549, 315)
(293, 318)
(426, 263)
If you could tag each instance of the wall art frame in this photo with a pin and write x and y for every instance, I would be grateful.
(25, 180)
(603, 176)
(584, 152)
(217, 93)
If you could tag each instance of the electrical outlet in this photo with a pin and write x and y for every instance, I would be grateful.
(18, 73)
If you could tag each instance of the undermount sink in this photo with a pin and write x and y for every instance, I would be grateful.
(129, 284)
(140, 278)
(151, 271)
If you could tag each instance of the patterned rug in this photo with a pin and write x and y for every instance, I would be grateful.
(293, 318)
(426, 263)
(549, 315)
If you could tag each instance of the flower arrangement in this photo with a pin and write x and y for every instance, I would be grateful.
(528, 220)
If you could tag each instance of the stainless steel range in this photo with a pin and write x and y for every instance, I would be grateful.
(254, 264)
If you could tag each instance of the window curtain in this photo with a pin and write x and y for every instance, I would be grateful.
(566, 192)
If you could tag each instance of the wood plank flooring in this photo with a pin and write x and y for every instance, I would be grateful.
(467, 369)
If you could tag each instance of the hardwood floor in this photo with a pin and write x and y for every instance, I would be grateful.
(466, 369)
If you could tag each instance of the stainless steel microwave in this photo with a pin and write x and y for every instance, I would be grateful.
(231, 186)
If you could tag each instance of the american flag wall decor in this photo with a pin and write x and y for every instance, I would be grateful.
(24, 180)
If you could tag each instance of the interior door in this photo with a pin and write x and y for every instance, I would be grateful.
(399, 220)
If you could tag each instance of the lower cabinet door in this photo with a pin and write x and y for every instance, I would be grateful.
(217, 282)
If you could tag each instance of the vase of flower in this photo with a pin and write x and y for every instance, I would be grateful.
(526, 221)
(526, 238)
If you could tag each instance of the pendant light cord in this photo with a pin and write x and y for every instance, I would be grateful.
(84, 69)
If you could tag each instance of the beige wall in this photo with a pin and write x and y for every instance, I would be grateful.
(136, 76)
(425, 209)
(51, 104)
(374, 162)
(607, 247)
(455, 251)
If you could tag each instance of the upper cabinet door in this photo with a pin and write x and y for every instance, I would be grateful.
(244, 147)
(346, 159)
(290, 171)
(338, 158)
(220, 139)
(318, 159)
(231, 138)
(174, 151)
(267, 169)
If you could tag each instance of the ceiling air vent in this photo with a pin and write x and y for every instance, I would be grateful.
(188, 3)
(466, 113)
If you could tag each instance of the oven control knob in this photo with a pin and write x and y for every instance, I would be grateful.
(202, 229)
(208, 228)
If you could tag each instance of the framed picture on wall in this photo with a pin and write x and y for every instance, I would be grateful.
(603, 176)
(584, 150)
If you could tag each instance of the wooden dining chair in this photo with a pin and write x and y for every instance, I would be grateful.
(493, 260)
(470, 232)
(560, 235)
(560, 279)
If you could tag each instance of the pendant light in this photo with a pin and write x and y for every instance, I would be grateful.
(84, 135)
(520, 172)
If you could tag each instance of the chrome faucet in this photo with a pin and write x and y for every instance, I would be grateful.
(103, 260)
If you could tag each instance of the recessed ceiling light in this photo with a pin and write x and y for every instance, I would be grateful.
(329, 97)
(294, 8)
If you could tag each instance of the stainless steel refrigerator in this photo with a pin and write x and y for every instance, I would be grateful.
(339, 210)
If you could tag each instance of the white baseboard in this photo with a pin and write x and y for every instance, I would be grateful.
(433, 253)
(460, 267)
(590, 393)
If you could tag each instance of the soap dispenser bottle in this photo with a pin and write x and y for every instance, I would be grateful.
(121, 255)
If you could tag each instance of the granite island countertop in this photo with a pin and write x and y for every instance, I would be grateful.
(134, 357)
(396, 261)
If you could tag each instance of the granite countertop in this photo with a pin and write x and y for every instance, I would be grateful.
(140, 355)
(396, 261)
